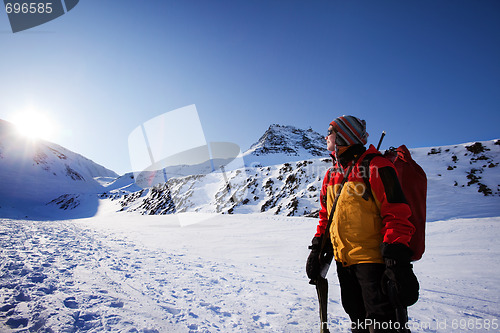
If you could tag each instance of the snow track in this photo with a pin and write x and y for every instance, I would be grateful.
(62, 276)
(242, 273)
(58, 274)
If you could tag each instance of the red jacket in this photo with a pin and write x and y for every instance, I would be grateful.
(362, 222)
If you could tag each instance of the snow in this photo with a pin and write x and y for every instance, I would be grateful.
(124, 272)
(78, 255)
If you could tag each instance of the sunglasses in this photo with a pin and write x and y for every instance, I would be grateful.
(330, 131)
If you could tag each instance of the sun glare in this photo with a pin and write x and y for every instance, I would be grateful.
(34, 124)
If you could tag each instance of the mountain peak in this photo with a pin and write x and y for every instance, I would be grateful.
(290, 141)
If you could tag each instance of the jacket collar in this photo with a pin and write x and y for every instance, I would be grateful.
(352, 153)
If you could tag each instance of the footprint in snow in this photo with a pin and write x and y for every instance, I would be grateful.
(22, 297)
(71, 303)
(17, 322)
(116, 304)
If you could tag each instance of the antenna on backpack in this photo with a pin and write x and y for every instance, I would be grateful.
(380, 141)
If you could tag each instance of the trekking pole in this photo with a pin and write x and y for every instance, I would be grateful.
(400, 310)
(322, 290)
(380, 141)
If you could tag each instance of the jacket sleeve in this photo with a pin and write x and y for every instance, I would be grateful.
(323, 213)
(394, 208)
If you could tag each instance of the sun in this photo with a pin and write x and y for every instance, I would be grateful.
(34, 124)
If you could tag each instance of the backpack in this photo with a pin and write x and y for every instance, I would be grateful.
(413, 181)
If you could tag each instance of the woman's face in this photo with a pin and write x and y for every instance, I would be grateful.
(330, 139)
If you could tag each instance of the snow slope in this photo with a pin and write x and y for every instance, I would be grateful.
(124, 272)
(35, 172)
(463, 180)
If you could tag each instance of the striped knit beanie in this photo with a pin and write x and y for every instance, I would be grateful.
(349, 131)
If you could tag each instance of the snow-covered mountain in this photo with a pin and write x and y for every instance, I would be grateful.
(283, 175)
(35, 172)
(463, 180)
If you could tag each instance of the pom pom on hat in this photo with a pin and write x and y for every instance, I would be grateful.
(349, 131)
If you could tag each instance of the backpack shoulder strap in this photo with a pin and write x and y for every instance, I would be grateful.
(365, 170)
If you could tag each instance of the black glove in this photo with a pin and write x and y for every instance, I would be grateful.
(313, 264)
(399, 273)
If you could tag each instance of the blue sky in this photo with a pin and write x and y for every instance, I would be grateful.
(427, 72)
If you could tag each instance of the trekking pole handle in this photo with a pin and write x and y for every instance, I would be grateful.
(380, 141)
